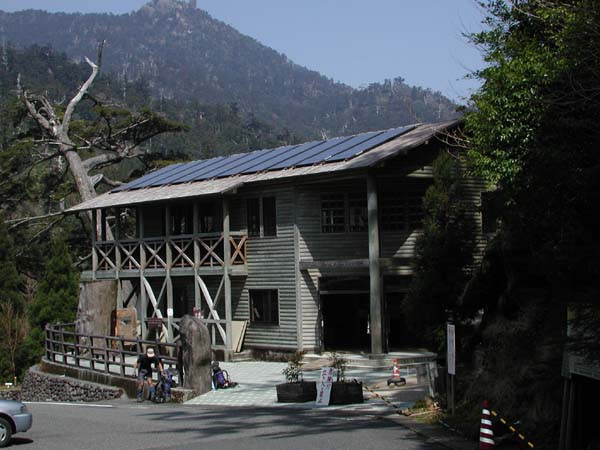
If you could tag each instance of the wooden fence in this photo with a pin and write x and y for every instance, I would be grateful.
(104, 354)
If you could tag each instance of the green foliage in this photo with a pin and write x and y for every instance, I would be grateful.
(340, 364)
(58, 290)
(443, 255)
(293, 371)
(534, 131)
(10, 279)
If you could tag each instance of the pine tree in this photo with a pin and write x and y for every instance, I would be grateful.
(57, 294)
(10, 280)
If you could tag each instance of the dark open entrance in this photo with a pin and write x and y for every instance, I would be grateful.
(345, 321)
(345, 313)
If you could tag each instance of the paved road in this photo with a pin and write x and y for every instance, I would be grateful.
(127, 425)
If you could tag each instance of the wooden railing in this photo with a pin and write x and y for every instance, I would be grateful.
(105, 354)
(186, 251)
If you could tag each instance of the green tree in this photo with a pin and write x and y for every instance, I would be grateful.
(444, 252)
(533, 131)
(55, 300)
(10, 280)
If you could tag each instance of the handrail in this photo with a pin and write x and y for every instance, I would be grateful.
(179, 251)
(102, 353)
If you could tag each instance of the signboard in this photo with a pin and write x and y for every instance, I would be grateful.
(324, 386)
(451, 345)
(155, 323)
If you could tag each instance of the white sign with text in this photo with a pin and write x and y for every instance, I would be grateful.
(324, 386)
(451, 350)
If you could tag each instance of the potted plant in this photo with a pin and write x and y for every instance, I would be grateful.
(295, 389)
(343, 392)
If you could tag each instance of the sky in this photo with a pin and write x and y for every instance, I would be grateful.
(356, 42)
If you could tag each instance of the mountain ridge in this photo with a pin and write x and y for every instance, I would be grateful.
(186, 53)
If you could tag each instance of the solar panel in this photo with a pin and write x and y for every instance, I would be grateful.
(283, 156)
(299, 158)
(339, 148)
(141, 182)
(371, 142)
(336, 149)
(189, 169)
(258, 159)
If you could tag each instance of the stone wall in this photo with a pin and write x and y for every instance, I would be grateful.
(40, 386)
(10, 394)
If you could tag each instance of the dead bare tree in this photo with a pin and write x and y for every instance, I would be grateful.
(110, 143)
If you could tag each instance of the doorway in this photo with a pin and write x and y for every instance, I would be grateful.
(345, 321)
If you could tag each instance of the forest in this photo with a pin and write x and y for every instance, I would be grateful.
(530, 130)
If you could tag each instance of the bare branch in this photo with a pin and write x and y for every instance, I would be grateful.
(110, 182)
(33, 112)
(82, 90)
(24, 220)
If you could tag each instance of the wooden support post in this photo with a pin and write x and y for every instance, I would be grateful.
(143, 296)
(196, 230)
(94, 239)
(227, 281)
(376, 291)
(168, 281)
(170, 335)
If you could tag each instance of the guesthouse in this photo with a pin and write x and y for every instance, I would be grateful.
(304, 246)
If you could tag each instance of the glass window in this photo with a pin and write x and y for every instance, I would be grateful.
(269, 217)
(253, 210)
(264, 306)
(402, 211)
(333, 213)
(357, 204)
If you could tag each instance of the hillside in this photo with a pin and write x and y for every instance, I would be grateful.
(183, 53)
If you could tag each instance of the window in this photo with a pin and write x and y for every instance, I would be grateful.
(333, 213)
(402, 211)
(264, 306)
(344, 212)
(265, 209)
(269, 216)
(181, 220)
(253, 210)
(357, 205)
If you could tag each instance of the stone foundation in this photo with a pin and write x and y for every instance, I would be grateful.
(40, 386)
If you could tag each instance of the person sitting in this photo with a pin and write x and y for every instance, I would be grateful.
(144, 366)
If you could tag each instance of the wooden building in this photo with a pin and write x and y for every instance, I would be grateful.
(311, 244)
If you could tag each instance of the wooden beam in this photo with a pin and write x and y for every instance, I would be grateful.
(226, 279)
(376, 284)
(197, 293)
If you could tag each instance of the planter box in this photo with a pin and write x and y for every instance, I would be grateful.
(300, 392)
(345, 393)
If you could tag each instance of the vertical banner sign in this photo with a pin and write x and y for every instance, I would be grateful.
(451, 350)
(324, 386)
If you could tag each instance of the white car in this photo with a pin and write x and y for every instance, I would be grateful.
(14, 418)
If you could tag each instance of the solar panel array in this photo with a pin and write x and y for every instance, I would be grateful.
(316, 152)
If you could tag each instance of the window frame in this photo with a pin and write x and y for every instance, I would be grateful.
(272, 298)
(262, 231)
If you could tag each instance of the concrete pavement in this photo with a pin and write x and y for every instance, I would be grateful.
(256, 388)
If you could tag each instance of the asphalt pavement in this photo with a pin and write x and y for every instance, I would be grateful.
(127, 425)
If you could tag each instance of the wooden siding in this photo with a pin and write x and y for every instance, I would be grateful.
(271, 265)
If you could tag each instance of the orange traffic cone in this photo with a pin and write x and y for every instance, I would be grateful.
(396, 378)
(486, 434)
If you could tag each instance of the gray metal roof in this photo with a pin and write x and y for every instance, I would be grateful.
(225, 174)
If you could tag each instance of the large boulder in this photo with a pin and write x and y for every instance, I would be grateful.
(196, 354)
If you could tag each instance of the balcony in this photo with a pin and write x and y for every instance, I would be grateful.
(177, 255)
